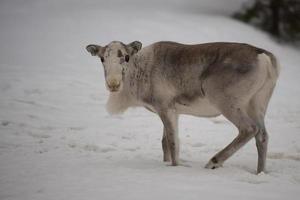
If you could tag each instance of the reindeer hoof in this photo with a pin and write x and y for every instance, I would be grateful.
(174, 163)
(213, 164)
(167, 159)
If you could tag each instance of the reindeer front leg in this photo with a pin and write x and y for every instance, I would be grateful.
(170, 139)
(165, 147)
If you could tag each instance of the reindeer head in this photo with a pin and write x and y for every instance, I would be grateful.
(115, 58)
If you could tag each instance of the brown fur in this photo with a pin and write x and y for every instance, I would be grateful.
(168, 78)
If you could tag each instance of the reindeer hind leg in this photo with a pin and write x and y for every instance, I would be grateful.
(257, 110)
(247, 130)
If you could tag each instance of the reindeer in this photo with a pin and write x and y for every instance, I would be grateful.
(204, 80)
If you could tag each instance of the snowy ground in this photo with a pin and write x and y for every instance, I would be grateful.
(58, 142)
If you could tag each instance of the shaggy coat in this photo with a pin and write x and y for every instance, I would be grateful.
(205, 80)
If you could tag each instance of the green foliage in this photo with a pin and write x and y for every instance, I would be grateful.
(281, 18)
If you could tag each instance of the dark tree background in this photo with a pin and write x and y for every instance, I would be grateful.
(281, 18)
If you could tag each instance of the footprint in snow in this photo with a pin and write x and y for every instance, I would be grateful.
(280, 155)
(106, 149)
(33, 92)
(36, 135)
(252, 181)
(96, 148)
(76, 128)
(198, 144)
(5, 123)
(91, 147)
(126, 137)
(132, 149)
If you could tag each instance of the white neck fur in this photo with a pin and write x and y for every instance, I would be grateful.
(118, 103)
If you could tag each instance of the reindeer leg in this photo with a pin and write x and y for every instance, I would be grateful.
(261, 144)
(247, 130)
(165, 147)
(170, 120)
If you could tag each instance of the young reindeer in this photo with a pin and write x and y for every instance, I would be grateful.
(205, 80)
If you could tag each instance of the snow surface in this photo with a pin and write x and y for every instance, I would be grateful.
(58, 142)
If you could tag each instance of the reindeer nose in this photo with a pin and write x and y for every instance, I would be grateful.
(113, 85)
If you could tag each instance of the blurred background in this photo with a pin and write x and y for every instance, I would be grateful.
(59, 27)
(57, 140)
(278, 17)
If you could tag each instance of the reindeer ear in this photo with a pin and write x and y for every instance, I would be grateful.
(94, 49)
(135, 46)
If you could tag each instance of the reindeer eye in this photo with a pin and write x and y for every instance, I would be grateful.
(127, 58)
(102, 59)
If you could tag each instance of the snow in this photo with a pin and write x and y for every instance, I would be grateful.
(58, 142)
